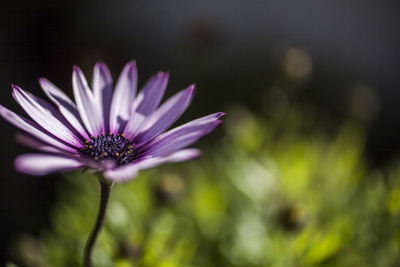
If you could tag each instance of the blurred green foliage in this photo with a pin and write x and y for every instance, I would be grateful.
(269, 194)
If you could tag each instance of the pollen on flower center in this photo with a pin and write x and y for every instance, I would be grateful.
(109, 146)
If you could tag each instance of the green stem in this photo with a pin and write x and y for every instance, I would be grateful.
(105, 192)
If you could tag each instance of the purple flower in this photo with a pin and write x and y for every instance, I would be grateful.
(116, 132)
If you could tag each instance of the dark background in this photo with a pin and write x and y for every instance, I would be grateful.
(233, 50)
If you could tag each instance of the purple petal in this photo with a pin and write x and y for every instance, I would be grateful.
(42, 164)
(178, 156)
(198, 124)
(130, 171)
(33, 143)
(165, 115)
(152, 92)
(89, 111)
(174, 145)
(44, 114)
(122, 174)
(124, 94)
(102, 90)
(33, 129)
(136, 121)
(146, 102)
(183, 135)
(65, 105)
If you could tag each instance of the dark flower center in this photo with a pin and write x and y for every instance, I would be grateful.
(109, 146)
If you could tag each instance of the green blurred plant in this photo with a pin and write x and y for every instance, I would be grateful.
(271, 194)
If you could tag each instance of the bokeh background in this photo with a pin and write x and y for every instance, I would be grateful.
(305, 170)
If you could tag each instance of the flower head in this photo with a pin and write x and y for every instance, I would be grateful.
(114, 131)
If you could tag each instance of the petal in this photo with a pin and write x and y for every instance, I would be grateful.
(33, 143)
(174, 145)
(45, 115)
(165, 115)
(130, 171)
(88, 110)
(65, 105)
(33, 129)
(122, 174)
(202, 123)
(124, 94)
(146, 102)
(183, 135)
(102, 90)
(178, 156)
(42, 164)
(134, 124)
(152, 92)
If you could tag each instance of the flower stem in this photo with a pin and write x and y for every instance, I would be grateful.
(105, 191)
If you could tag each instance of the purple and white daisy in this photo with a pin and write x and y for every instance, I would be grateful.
(115, 132)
